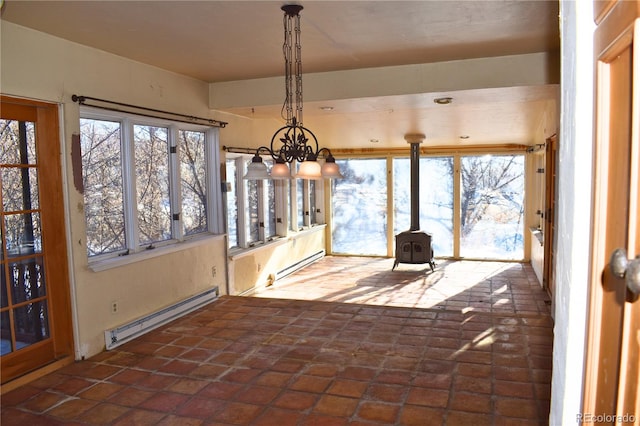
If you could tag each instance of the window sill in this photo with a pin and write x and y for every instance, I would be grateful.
(105, 264)
(239, 253)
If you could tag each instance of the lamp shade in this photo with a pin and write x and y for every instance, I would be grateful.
(331, 170)
(309, 169)
(257, 169)
(280, 171)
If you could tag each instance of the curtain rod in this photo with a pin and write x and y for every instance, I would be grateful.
(82, 100)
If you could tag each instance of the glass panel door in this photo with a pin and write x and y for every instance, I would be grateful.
(24, 296)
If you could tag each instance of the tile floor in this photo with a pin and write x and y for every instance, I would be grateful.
(469, 344)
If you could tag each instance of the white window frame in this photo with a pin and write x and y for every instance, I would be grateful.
(285, 192)
(215, 220)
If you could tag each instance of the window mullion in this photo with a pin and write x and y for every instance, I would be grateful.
(320, 201)
(175, 192)
(306, 203)
(457, 205)
(281, 207)
(215, 213)
(242, 207)
(262, 210)
(129, 183)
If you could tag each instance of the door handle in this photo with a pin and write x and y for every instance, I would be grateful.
(629, 269)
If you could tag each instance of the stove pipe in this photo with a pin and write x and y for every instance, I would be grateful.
(415, 140)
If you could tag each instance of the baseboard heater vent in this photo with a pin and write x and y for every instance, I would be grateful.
(299, 265)
(117, 336)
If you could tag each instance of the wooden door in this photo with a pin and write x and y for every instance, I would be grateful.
(35, 311)
(550, 167)
(612, 364)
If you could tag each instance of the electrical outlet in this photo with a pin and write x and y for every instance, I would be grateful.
(214, 271)
(114, 307)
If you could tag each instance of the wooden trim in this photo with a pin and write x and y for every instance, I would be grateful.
(620, 15)
(34, 375)
(551, 166)
(430, 150)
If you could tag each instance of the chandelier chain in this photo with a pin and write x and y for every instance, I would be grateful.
(298, 70)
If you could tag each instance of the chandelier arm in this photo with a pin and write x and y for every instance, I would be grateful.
(313, 151)
(324, 149)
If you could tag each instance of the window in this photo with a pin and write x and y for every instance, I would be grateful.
(360, 207)
(271, 208)
(436, 200)
(492, 207)
(490, 218)
(256, 199)
(147, 183)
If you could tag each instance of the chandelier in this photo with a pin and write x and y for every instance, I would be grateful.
(293, 141)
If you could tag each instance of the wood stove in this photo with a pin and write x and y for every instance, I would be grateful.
(414, 245)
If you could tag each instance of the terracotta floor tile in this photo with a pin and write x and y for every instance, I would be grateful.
(473, 384)
(310, 384)
(200, 408)
(131, 397)
(101, 391)
(259, 395)
(412, 415)
(516, 407)
(273, 378)
(103, 414)
(129, 376)
(314, 419)
(428, 397)
(514, 389)
(336, 406)
(237, 413)
(386, 392)
(294, 400)
(157, 381)
(19, 395)
(44, 401)
(165, 401)
(173, 420)
(474, 402)
(459, 418)
(378, 412)
(72, 408)
(220, 390)
(277, 416)
(139, 417)
(350, 388)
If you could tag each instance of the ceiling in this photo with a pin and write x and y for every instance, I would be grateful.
(221, 41)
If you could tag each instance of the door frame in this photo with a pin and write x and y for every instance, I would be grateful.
(617, 27)
(48, 145)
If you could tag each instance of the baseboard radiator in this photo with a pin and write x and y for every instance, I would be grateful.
(298, 265)
(119, 335)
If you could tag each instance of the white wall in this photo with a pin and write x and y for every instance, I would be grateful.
(574, 207)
